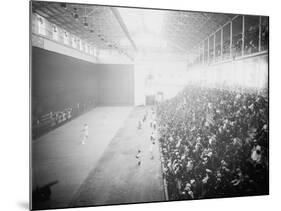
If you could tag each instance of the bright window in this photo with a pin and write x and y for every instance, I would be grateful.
(95, 52)
(81, 45)
(91, 50)
(74, 42)
(41, 26)
(55, 32)
(65, 37)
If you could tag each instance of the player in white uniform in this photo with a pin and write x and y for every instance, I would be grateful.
(153, 137)
(139, 125)
(151, 151)
(138, 156)
(85, 133)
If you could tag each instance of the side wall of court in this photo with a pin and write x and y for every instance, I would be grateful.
(116, 84)
(59, 81)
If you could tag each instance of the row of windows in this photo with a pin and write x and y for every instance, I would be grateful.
(44, 28)
(244, 35)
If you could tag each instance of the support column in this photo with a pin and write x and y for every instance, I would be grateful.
(260, 34)
(243, 34)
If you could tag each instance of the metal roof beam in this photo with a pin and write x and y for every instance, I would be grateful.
(123, 26)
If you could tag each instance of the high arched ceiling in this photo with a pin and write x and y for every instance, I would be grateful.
(187, 29)
(132, 29)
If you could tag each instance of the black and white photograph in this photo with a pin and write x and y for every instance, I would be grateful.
(136, 105)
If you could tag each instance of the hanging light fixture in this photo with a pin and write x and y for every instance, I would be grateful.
(63, 5)
(85, 22)
(76, 16)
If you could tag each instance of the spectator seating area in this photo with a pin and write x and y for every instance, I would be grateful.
(244, 36)
(214, 143)
(43, 123)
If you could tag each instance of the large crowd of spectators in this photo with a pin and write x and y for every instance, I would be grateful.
(214, 143)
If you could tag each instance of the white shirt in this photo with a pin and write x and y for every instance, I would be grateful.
(86, 130)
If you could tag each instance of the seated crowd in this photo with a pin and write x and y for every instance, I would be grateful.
(214, 143)
(46, 120)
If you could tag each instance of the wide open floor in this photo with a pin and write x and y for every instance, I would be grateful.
(59, 154)
(117, 178)
(104, 170)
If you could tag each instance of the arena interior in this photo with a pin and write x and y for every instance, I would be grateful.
(137, 105)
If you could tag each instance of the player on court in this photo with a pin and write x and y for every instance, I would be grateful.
(139, 125)
(85, 133)
(151, 150)
(153, 137)
(138, 156)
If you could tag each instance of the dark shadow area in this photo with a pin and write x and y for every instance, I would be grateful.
(41, 195)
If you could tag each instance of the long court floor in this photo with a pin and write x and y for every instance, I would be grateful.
(104, 170)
